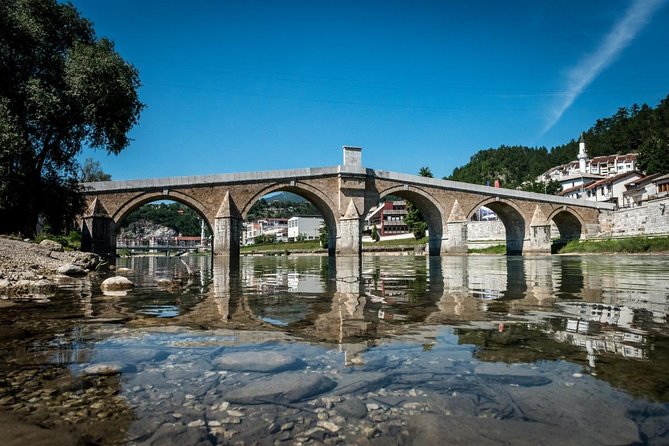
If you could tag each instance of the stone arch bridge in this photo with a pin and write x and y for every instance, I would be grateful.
(344, 194)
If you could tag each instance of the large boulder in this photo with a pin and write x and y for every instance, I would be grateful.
(87, 260)
(117, 283)
(70, 269)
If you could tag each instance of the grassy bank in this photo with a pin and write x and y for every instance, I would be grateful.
(495, 249)
(397, 242)
(631, 245)
(310, 245)
(314, 246)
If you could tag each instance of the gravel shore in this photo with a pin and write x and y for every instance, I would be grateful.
(27, 268)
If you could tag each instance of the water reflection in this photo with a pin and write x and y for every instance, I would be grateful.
(603, 306)
(403, 336)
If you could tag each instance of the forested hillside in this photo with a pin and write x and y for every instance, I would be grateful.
(641, 129)
(176, 216)
(285, 205)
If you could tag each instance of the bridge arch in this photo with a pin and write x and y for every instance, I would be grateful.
(512, 219)
(125, 209)
(429, 206)
(317, 197)
(569, 223)
(136, 202)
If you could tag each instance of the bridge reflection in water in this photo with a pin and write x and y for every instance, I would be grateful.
(513, 309)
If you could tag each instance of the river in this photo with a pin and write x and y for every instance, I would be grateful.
(314, 350)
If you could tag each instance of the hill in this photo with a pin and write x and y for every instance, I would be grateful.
(637, 129)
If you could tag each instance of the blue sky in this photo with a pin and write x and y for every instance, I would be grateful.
(253, 85)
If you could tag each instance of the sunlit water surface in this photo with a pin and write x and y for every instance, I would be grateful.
(311, 350)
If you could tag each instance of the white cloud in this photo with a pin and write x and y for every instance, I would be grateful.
(618, 38)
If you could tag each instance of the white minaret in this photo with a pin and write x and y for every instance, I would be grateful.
(582, 154)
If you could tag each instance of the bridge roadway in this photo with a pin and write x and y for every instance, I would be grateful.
(344, 194)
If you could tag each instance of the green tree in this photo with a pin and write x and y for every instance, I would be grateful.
(551, 187)
(264, 239)
(653, 155)
(61, 87)
(425, 172)
(92, 171)
(323, 238)
(177, 216)
(375, 234)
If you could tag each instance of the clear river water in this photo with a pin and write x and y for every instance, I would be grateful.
(312, 350)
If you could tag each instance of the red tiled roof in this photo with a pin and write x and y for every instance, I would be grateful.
(612, 158)
(612, 179)
(571, 189)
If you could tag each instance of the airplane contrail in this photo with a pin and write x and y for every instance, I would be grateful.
(619, 37)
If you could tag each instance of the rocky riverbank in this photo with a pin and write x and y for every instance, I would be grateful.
(33, 270)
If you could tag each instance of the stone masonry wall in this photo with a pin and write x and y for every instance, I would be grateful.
(651, 218)
(481, 234)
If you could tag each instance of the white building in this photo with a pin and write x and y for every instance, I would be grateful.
(308, 227)
(610, 189)
(647, 188)
(584, 170)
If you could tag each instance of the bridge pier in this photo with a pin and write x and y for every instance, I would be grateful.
(456, 243)
(539, 241)
(227, 229)
(349, 236)
(97, 231)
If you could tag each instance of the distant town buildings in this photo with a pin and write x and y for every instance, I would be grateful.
(305, 228)
(271, 227)
(613, 178)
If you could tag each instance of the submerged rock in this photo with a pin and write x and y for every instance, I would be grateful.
(263, 361)
(27, 288)
(116, 283)
(43, 286)
(170, 283)
(18, 433)
(439, 429)
(281, 388)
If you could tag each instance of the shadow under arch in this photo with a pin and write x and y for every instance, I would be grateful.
(569, 224)
(512, 219)
(315, 196)
(140, 200)
(429, 207)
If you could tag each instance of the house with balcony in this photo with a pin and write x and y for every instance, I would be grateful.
(388, 217)
(646, 188)
(610, 189)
